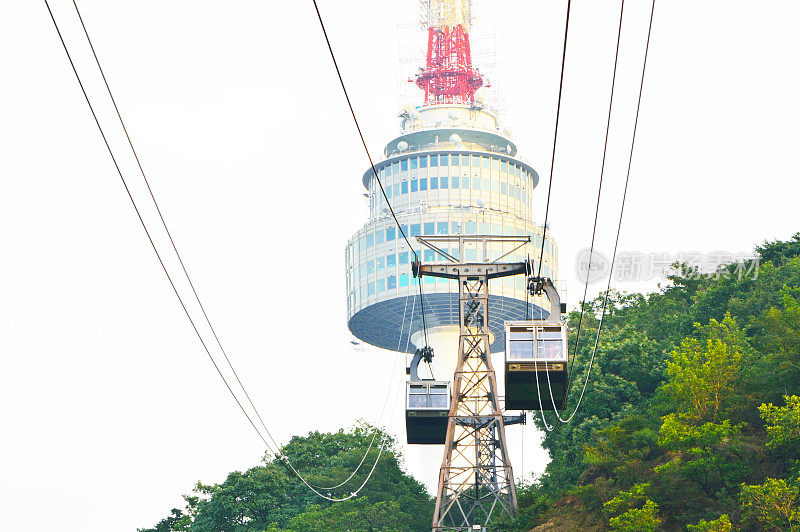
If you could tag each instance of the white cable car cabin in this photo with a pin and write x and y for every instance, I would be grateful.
(427, 404)
(535, 351)
(427, 408)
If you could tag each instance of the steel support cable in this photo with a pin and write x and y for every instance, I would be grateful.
(385, 402)
(178, 255)
(358, 127)
(369, 157)
(599, 192)
(422, 305)
(424, 324)
(164, 225)
(385, 439)
(388, 393)
(377, 459)
(619, 224)
(289, 465)
(147, 232)
(547, 426)
(596, 214)
(555, 139)
(550, 186)
(191, 284)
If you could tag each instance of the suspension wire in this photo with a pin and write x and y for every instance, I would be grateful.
(186, 273)
(599, 193)
(547, 426)
(147, 232)
(385, 401)
(555, 139)
(384, 441)
(522, 449)
(619, 223)
(422, 305)
(625, 191)
(369, 157)
(549, 190)
(527, 305)
(166, 229)
(424, 325)
(394, 408)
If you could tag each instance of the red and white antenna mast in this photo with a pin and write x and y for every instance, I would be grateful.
(448, 77)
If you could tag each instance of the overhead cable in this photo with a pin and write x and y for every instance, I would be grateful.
(371, 163)
(385, 400)
(147, 232)
(619, 229)
(599, 193)
(596, 208)
(555, 139)
(166, 229)
(625, 191)
(277, 452)
(386, 439)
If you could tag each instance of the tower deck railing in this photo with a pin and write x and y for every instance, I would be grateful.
(450, 146)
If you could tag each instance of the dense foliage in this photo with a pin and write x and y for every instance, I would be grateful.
(268, 498)
(691, 419)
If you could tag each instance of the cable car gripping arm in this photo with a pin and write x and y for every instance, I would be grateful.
(424, 353)
(539, 285)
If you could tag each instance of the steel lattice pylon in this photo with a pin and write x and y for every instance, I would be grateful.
(476, 481)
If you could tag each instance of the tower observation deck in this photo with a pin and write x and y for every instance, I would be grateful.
(450, 171)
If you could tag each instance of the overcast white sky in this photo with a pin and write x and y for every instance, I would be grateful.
(110, 408)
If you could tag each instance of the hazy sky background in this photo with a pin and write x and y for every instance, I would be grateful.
(110, 408)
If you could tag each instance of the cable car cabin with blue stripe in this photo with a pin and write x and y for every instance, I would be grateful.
(536, 350)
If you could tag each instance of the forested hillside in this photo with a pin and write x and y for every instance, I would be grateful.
(691, 419)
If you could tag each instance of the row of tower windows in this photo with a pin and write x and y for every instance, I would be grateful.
(454, 179)
(447, 159)
(464, 182)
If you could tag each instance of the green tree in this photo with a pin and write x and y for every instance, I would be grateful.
(269, 497)
(723, 524)
(775, 505)
(779, 252)
(703, 381)
(703, 375)
(623, 450)
(636, 512)
(783, 422)
(780, 331)
(355, 515)
(644, 519)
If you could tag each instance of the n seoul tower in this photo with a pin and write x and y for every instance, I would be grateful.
(450, 171)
